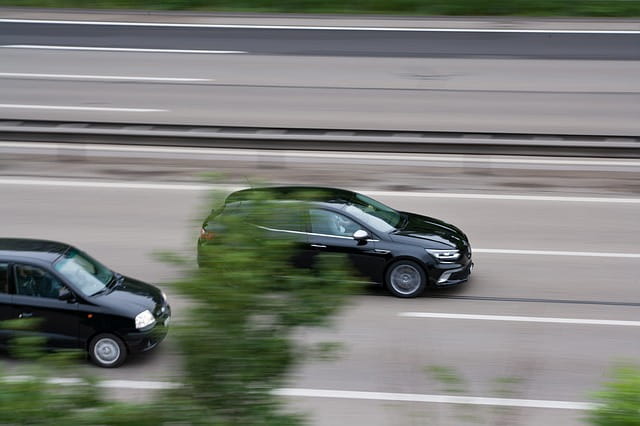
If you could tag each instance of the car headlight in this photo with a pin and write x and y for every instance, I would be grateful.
(444, 255)
(144, 319)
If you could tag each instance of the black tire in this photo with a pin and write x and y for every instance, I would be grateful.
(405, 278)
(107, 351)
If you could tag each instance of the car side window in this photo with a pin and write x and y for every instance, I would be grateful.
(34, 281)
(4, 278)
(290, 218)
(332, 223)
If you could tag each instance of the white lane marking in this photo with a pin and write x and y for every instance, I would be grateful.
(80, 108)
(580, 321)
(557, 253)
(138, 384)
(328, 154)
(127, 384)
(207, 187)
(118, 49)
(101, 77)
(315, 27)
(461, 196)
(342, 394)
(106, 184)
(441, 399)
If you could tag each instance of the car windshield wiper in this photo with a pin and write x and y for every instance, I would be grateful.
(405, 220)
(115, 280)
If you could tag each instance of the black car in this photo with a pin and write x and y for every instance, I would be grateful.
(404, 251)
(79, 303)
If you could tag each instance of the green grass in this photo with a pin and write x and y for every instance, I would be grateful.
(586, 8)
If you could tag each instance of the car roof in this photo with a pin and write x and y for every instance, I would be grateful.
(317, 194)
(26, 248)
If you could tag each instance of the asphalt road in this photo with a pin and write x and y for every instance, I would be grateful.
(329, 42)
(557, 83)
(593, 277)
(554, 240)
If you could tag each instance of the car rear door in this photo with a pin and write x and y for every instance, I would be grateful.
(288, 221)
(36, 297)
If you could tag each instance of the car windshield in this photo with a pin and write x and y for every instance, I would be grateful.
(86, 274)
(374, 213)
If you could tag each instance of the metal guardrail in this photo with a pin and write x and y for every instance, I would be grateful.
(321, 139)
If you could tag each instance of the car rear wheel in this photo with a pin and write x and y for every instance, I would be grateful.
(406, 278)
(107, 351)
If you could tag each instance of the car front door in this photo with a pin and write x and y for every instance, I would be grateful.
(37, 297)
(332, 232)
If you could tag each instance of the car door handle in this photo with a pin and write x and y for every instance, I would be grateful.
(25, 315)
(318, 245)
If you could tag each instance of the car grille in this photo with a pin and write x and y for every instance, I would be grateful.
(462, 274)
(466, 252)
(162, 310)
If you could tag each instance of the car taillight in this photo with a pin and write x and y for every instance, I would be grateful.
(206, 235)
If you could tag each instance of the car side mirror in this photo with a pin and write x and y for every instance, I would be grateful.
(360, 235)
(66, 295)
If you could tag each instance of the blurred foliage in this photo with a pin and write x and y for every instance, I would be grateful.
(249, 299)
(237, 340)
(31, 396)
(33, 401)
(449, 377)
(619, 401)
(408, 7)
(325, 351)
(454, 383)
(507, 387)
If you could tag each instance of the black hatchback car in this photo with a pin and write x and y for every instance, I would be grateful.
(79, 303)
(404, 251)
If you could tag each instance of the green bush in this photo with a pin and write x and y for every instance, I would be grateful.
(620, 399)
(237, 340)
(248, 300)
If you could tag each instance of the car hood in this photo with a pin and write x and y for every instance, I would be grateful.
(131, 297)
(433, 232)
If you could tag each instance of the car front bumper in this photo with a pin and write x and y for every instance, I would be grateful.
(145, 340)
(455, 275)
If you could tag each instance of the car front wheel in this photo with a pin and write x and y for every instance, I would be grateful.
(406, 278)
(107, 351)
